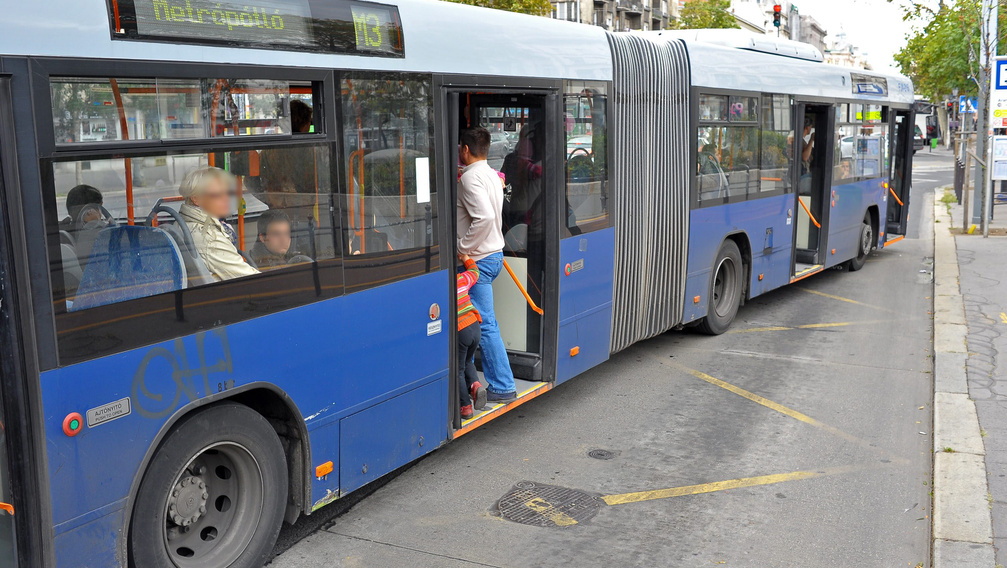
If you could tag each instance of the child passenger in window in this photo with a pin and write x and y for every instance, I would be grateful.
(208, 194)
(272, 248)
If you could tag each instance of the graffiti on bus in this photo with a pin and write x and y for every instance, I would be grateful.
(166, 375)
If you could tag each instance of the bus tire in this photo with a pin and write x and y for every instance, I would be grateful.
(726, 284)
(865, 243)
(213, 494)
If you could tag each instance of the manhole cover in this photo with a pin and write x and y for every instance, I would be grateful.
(541, 505)
(602, 454)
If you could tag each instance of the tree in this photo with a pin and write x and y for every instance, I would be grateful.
(533, 7)
(702, 14)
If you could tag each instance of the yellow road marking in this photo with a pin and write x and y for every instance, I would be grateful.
(546, 509)
(1003, 317)
(638, 496)
(806, 326)
(774, 405)
(842, 299)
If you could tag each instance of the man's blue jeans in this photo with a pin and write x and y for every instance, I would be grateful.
(496, 366)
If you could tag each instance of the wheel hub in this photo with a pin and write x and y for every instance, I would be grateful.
(188, 501)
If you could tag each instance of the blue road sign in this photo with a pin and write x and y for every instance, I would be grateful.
(1001, 83)
(967, 104)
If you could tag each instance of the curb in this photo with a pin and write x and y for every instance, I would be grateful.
(962, 524)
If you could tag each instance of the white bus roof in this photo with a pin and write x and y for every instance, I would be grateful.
(747, 69)
(439, 37)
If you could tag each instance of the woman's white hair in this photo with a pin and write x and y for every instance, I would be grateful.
(194, 182)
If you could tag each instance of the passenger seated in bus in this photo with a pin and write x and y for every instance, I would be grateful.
(712, 179)
(77, 200)
(208, 192)
(287, 172)
(845, 169)
(272, 247)
(471, 393)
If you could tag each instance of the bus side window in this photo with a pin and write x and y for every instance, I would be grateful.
(587, 190)
(387, 196)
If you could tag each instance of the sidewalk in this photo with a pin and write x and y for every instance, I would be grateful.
(970, 456)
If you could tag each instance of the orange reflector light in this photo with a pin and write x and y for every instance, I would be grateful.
(695, 300)
(833, 251)
(324, 469)
(73, 424)
(760, 278)
(574, 351)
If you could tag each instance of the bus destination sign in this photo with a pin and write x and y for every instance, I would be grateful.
(364, 28)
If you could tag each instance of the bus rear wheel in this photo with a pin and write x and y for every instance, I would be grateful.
(864, 245)
(213, 495)
(724, 295)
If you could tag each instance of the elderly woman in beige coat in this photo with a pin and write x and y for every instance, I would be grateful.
(208, 192)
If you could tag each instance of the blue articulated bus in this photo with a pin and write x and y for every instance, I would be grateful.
(163, 415)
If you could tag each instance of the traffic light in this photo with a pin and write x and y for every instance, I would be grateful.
(776, 14)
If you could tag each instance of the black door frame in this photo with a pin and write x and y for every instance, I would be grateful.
(825, 124)
(24, 434)
(448, 90)
(905, 139)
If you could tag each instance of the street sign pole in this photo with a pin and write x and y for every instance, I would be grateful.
(987, 60)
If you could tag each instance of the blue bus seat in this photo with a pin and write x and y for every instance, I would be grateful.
(129, 262)
(195, 268)
(72, 272)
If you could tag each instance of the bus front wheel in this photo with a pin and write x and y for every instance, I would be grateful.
(724, 295)
(213, 494)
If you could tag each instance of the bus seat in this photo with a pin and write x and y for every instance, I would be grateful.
(86, 236)
(129, 262)
(516, 239)
(195, 267)
(65, 238)
(72, 272)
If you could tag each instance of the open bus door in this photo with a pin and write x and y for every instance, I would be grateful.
(525, 292)
(812, 176)
(900, 178)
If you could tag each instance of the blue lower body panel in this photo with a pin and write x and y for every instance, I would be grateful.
(585, 302)
(382, 438)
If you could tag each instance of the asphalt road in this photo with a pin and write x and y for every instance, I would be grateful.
(801, 438)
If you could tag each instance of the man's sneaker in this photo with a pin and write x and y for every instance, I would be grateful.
(500, 397)
(467, 412)
(478, 393)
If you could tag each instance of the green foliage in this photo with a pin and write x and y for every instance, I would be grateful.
(937, 56)
(944, 53)
(703, 14)
(533, 7)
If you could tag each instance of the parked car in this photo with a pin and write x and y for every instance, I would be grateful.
(919, 140)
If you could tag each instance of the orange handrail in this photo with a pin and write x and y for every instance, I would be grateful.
(127, 163)
(357, 229)
(524, 292)
(892, 191)
(808, 211)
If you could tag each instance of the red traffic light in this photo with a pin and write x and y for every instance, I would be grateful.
(777, 8)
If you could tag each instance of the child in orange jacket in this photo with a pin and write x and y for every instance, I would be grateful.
(471, 393)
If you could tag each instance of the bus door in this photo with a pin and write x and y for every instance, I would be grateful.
(521, 126)
(811, 158)
(900, 180)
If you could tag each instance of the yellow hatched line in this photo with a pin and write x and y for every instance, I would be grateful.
(842, 299)
(638, 496)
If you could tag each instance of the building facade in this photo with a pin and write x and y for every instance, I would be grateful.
(619, 15)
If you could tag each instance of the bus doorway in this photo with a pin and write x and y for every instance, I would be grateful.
(520, 126)
(897, 217)
(811, 158)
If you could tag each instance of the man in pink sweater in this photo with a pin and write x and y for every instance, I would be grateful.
(480, 236)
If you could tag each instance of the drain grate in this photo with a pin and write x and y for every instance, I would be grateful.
(541, 505)
(602, 454)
